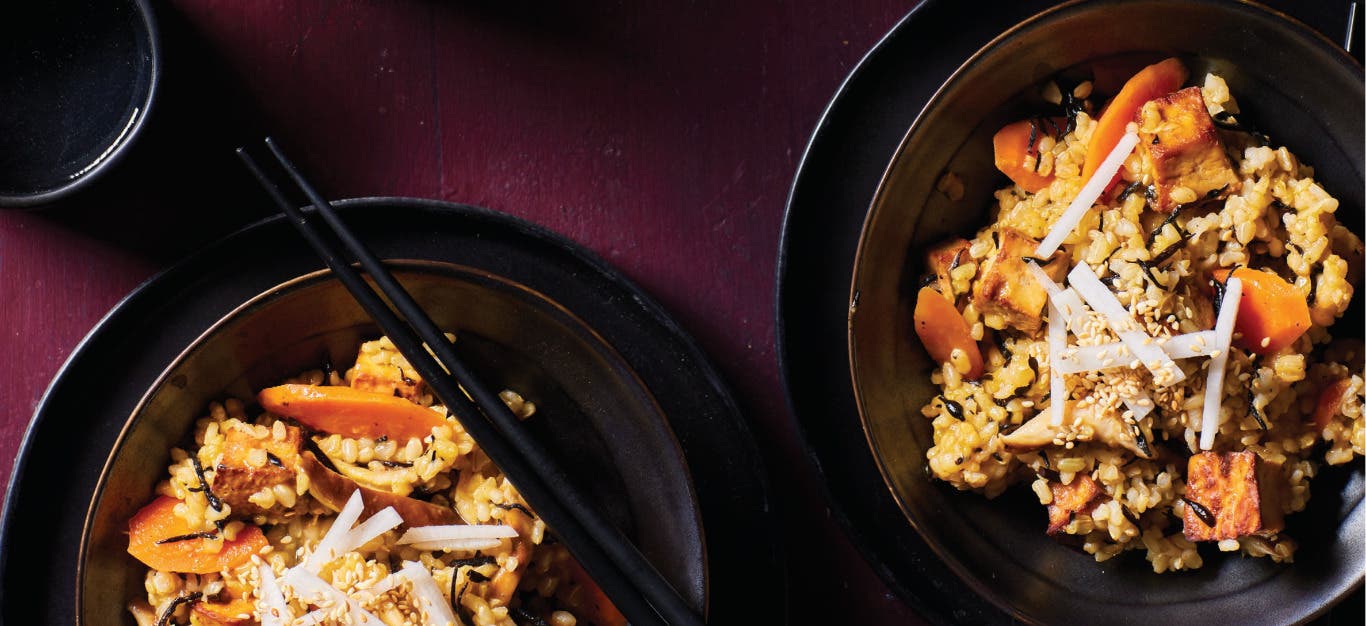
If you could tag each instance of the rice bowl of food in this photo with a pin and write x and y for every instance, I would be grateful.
(291, 468)
(1100, 289)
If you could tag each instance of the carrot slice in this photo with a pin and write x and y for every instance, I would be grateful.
(185, 553)
(1154, 81)
(1016, 142)
(1330, 402)
(1272, 314)
(942, 330)
(504, 583)
(351, 412)
(228, 613)
(593, 604)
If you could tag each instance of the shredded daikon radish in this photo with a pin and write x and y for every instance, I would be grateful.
(312, 618)
(1057, 340)
(457, 544)
(1098, 296)
(1141, 404)
(311, 589)
(379, 523)
(1090, 192)
(274, 609)
(1069, 303)
(427, 534)
(431, 600)
(337, 536)
(1111, 355)
(1214, 384)
(385, 584)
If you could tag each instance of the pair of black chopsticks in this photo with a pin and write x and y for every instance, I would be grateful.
(634, 586)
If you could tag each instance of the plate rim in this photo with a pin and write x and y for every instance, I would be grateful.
(761, 504)
(312, 279)
(838, 112)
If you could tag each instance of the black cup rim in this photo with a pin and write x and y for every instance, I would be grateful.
(120, 147)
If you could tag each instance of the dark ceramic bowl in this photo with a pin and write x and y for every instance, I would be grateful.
(78, 78)
(592, 410)
(1299, 88)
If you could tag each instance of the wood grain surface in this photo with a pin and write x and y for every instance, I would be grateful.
(663, 136)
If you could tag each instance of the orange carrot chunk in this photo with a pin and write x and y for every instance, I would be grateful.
(1016, 143)
(593, 605)
(1272, 314)
(942, 330)
(228, 613)
(1154, 81)
(163, 541)
(351, 412)
(1330, 402)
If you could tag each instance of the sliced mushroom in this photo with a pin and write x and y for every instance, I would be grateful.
(1105, 427)
(333, 490)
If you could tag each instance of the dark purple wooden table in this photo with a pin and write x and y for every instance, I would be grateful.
(662, 137)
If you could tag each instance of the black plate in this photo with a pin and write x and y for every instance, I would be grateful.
(840, 172)
(120, 359)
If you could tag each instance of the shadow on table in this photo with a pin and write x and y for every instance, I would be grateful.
(180, 185)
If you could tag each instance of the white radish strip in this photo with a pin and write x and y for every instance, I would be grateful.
(1068, 303)
(385, 584)
(429, 595)
(274, 609)
(1214, 384)
(457, 531)
(1111, 355)
(1057, 340)
(1067, 300)
(458, 544)
(1141, 404)
(313, 590)
(311, 618)
(336, 538)
(1088, 285)
(377, 525)
(1090, 192)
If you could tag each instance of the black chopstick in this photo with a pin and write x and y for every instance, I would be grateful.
(635, 587)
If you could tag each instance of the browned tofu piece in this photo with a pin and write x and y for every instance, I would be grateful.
(381, 368)
(237, 475)
(1240, 492)
(943, 259)
(1079, 497)
(1006, 293)
(1181, 147)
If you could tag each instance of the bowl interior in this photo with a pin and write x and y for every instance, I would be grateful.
(78, 77)
(592, 411)
(998, 546)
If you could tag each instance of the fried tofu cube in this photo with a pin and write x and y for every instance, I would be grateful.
(251, 463)
(943, 259)
(1079, 497)
(1237, 491)
(1006, 293)
(381, 368)
(1181, 148)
